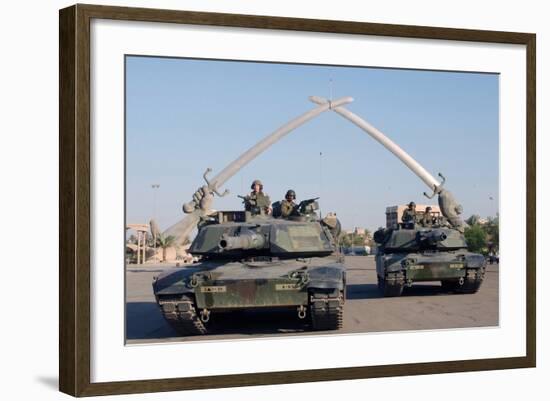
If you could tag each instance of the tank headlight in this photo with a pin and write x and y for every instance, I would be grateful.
(408, 262)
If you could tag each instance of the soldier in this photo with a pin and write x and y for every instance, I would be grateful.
(409, 215)
(288, 206)
(427, 219)
(257, 200)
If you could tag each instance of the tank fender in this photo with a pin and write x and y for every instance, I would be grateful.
(475, 261)
(394, 262)
(327, 277)
(173, 282)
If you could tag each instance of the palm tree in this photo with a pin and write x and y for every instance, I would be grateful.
(472, 220)
(165, 242)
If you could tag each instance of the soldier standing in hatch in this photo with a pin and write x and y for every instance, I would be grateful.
(409, 215)
(288, 206)
(257, 199)
(427, 219)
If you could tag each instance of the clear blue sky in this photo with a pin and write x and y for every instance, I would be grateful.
(186, 115)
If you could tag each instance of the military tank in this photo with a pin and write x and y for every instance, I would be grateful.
(252, 260)
(414, 252)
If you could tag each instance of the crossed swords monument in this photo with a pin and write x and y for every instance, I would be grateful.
(202, 199)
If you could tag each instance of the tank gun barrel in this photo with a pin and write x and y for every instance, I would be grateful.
(433, 237)
(243, 241)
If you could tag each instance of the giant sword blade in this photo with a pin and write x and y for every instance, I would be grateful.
(447, 203)
(202, 200)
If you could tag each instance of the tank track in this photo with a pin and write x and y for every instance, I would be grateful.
(327, 311)
(472, 282)
(180, 312)
(392, 284)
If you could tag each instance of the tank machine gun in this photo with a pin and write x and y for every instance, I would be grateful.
(303, 209)
(251, 205)
(307, 207)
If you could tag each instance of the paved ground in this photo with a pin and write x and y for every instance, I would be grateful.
(424, 306)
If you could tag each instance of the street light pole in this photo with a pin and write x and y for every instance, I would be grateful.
(155, 186)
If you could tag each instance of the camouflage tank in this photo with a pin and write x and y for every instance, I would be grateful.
(257, 261)
(414, 252)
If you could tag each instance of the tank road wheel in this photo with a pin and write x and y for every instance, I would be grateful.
(326, 310)
(392, 284)
(182, 315)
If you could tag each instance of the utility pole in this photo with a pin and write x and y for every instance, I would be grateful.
(154, 187)
(320, 181)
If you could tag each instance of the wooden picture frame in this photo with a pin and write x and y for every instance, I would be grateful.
(75, 208)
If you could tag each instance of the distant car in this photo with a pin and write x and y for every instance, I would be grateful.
(493, 259)
(358, 250)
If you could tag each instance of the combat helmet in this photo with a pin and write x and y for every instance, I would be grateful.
(290, 193)
(257, 182)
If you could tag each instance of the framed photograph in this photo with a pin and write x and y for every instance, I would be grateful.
(250, 200)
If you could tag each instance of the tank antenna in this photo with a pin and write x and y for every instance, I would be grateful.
(330, 88)
(320, 180)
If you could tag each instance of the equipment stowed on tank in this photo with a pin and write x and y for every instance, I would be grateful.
(412, 252)
(258, 261)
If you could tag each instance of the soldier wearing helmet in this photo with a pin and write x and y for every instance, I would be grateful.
(288, 205)
(427, 218)
(257, 201)
(409, 215)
